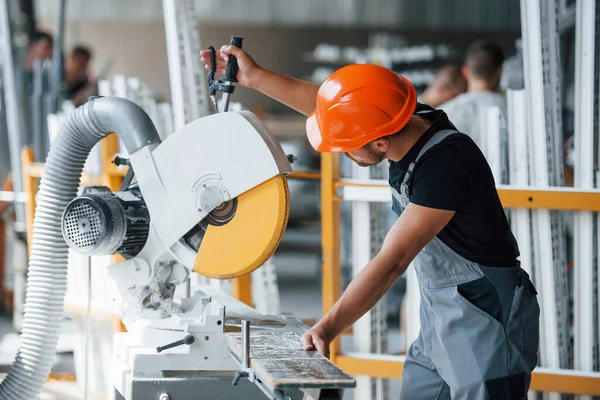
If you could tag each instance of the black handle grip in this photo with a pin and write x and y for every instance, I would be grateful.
(231, 70)
(188, 339)
(211, 73)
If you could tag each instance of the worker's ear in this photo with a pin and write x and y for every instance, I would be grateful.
(381, 145)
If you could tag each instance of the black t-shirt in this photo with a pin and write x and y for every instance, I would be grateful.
(454, 175)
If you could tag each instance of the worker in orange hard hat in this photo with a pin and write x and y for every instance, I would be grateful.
(338, 123)
(479, 312)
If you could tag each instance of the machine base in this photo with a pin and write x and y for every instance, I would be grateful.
(214, 387)
(186, 388)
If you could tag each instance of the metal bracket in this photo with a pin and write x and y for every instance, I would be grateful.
(247, 371)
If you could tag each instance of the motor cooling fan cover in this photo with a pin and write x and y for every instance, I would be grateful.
(92, 225)
(247, 240)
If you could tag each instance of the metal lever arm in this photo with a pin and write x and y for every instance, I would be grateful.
(188, 339)
(225, 85)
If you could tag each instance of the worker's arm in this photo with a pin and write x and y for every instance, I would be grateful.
(416, 227)
(294, 93)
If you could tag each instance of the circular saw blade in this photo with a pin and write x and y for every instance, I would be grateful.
(247, 240)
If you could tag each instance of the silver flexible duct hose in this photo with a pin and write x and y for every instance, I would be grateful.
(47, 276)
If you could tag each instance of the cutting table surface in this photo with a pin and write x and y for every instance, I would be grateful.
(281, 362)
(276, 353)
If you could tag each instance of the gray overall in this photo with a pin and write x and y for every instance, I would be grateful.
(462, 352)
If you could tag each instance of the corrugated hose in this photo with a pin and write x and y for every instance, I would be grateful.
(47, 276)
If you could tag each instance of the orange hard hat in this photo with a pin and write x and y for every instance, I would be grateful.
(358, 104)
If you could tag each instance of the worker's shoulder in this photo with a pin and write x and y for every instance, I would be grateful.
(475, 100)
(462, 98)
(456, 147)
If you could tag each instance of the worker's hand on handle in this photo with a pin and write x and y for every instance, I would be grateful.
(315, 339)
(295, 93)
(248, 69)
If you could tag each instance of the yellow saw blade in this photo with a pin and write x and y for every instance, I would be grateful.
(250, 238)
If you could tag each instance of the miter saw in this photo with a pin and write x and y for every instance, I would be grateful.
(211, 199)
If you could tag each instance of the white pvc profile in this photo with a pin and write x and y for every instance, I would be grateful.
(584, 178)
(412, 307)
(518, 171)
(194, 70)
(104, 88)
(14, 117)
(362, 337)
(13, 197)
(518, 175)
(188, 87)
(174, 56)
(542, 233)
(367, 194)
(491, 145)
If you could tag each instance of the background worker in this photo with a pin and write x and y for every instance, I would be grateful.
(446, 85)
(482, 71)
(40, 47)
(479, 311)
(80, 86)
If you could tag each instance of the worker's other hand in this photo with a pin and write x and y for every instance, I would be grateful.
(315, 339)
(247, 68)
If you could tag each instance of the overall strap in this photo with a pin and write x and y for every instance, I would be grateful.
(437, 137)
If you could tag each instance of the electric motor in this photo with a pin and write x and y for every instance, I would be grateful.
(100, 222)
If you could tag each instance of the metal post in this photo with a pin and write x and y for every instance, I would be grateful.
(361, 255)
(245, 344)
(4, 144)
(37, 111)
(585, 24)
(518, 156)
(370, 331)
(542, 83)
(14, 118)
(56, 93)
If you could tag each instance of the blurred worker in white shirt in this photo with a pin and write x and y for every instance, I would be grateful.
(482, 70)
(447, 84)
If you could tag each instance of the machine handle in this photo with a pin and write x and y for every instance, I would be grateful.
(211, 74)
(231, 70)
(188, 339)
